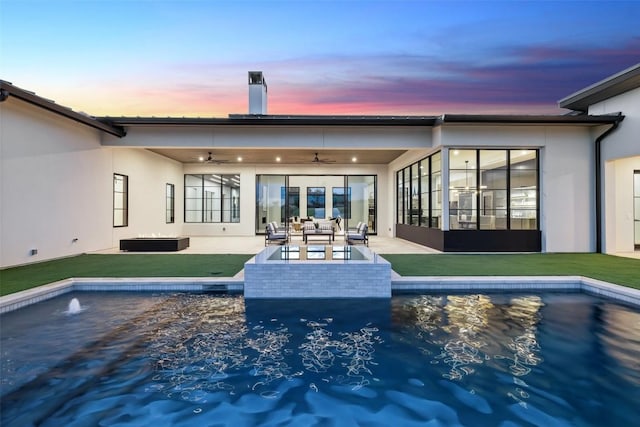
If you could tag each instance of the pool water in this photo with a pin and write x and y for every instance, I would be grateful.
(414, 360)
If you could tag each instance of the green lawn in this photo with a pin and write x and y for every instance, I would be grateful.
(117, 265)
(623, 271)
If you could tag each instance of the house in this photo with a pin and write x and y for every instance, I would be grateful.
(73, 183)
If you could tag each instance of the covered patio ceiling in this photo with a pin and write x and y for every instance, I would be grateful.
(287, 155)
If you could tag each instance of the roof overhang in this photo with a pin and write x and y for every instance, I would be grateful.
(614, 85)
(425, 121)
(583, 119)
(276, 120)
(9, 90)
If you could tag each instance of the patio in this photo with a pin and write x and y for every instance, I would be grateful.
(254, 244)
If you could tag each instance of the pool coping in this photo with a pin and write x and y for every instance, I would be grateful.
(588, 285)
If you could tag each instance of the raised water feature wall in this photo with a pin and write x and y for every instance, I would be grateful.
(266, 277)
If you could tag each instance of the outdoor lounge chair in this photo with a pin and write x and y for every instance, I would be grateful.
(359, 236)
(273, 234)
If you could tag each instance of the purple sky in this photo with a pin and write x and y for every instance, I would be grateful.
(191, 58)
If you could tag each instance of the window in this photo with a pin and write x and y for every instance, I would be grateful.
(315, 202)
(212, 198)
(493, 189)
(523, 189)
(294, 202)
(414, 204)
(436, 190)
(399, 197)
(636, 208)
(462, 189)
(424, 192)
(171, 204)
(419, 193)
(120, 200)
(338, 200)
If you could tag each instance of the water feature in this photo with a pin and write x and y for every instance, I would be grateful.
(74, 306)
(317, 271)
(415, 359)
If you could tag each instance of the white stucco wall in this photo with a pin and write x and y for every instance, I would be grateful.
(567, 191)
(57, 186)
(625, 141)
(620, 157)
(148, 175)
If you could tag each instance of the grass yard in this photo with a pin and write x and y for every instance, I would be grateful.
(622, 271)
(618, 270)
(118, 265)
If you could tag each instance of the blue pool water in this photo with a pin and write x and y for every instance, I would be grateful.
(415, 360)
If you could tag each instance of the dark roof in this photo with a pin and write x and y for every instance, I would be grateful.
(284, 120)
(7, 89)
(621, 82)
(279, 120)
(581, 119)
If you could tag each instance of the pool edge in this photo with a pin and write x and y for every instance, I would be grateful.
(588, 285)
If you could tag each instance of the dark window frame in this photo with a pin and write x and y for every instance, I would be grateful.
(125, 200)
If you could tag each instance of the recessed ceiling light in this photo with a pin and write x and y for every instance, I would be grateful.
(239, 158)
(201, 159)
(354, 159)
(277, 159)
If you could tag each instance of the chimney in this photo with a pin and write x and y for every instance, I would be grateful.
(257, 93)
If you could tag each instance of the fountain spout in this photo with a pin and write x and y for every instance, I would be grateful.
(74, 306)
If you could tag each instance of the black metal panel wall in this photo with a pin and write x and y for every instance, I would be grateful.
(493, 241)
(431, 237)
(472, 240)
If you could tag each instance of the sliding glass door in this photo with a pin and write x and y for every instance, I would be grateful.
(287, 198)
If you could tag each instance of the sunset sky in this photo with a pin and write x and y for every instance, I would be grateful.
(191, 57)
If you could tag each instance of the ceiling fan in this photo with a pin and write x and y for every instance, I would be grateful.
(316, 159)
(210, 159)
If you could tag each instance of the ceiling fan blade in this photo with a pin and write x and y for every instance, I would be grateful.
(316, 159)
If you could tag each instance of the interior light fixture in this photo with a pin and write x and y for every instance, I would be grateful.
(456, 152)
(201, 159)
(239, 158)
(277, 159)
(354, 159)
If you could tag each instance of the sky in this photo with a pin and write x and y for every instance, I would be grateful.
(405, 57)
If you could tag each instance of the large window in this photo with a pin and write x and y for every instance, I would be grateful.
(212, 198)
(170, 216)
(315, 202)
(419, 193)
(120, 200)
(493, 189)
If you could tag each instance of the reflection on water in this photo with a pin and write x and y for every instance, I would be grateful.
(481, 360)
(212, 345)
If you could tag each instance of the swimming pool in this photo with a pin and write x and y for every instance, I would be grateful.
(415, 359)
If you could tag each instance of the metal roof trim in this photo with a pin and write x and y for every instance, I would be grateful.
(625, 80)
